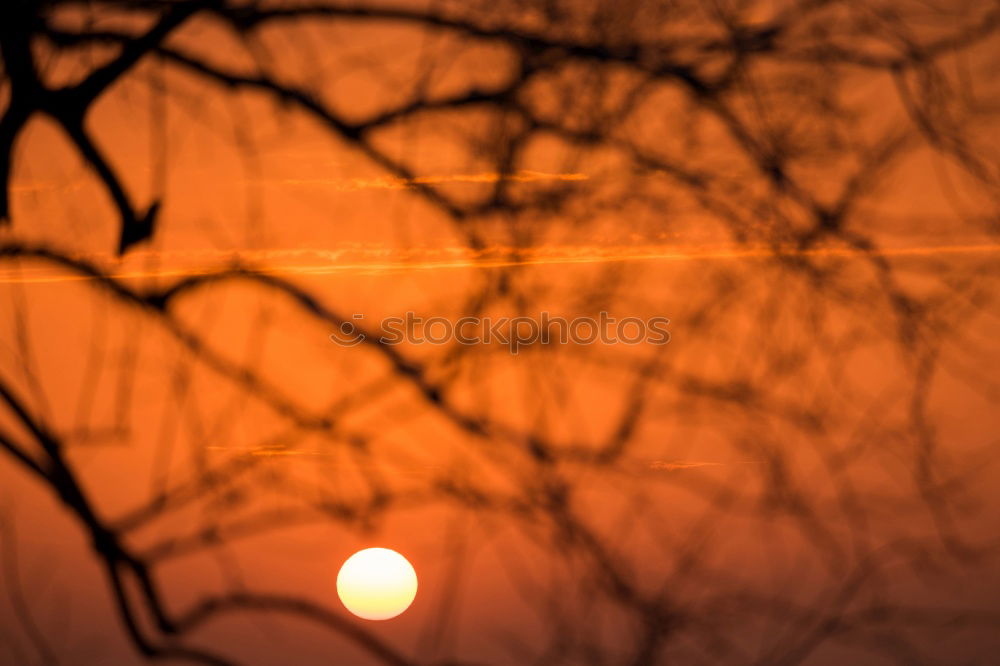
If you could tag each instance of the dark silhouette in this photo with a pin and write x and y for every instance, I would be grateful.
(783, 134)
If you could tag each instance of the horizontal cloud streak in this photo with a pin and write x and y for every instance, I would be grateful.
(394, 183)
(363, 259)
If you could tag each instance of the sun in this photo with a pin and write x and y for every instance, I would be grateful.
(377, 584)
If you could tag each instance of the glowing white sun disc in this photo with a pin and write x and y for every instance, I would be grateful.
(377, 584)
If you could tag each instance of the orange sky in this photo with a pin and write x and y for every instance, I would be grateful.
(767, 364)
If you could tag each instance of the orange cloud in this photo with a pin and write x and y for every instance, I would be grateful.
(663, 465)
(380, 259)
(394, 183)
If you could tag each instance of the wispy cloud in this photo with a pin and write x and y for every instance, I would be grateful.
(375, 259)
(677, 465)
(673, 466)
(394, 183)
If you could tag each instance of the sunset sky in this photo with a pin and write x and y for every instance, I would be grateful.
(203, 195)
